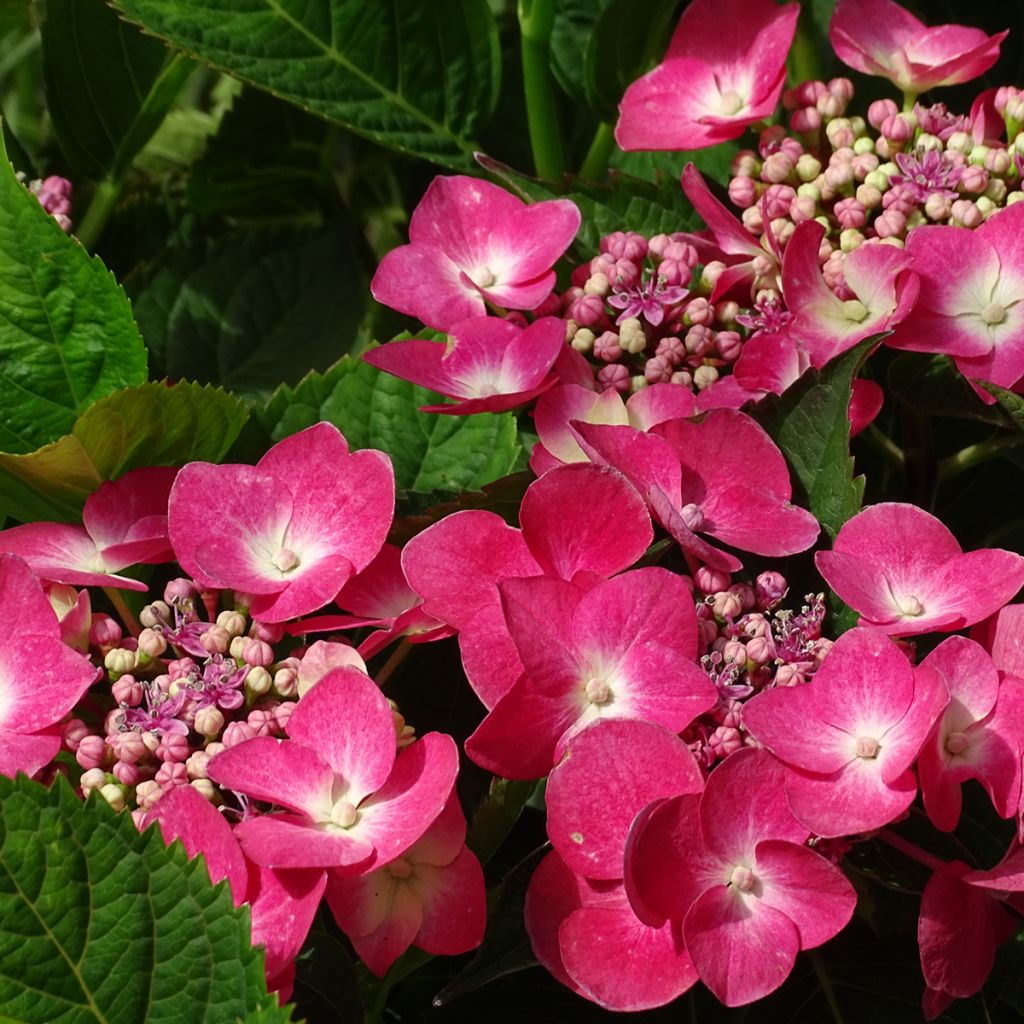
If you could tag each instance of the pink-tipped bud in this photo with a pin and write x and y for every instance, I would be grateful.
(92, 779)
(743, 192)
(257, 652)
(840, 133)
(745, 163)
(699, 312)
(735, 653)
(216, 640)
(805, 121)
(938, 207)
(587, 310)
(699, 340)
(657, 370)
(880, 111)
(789, 675)
(745, 592)
(104, 631)
(269, 632)
(128, 746)
(91, 752)
(770, 588)
(890, 224)
(148, 793)
(72, 733)
(803, 208)
(974, 179)
(171, 774)
(829, 106)
(725, 741)
(898, 129)
(777, 201)
(760, 650)
(613, 377)
(237, 732)
(179, 590)
(966, 214)
(209, 721)
(729, 345)
(607, 347)
(125, 773)
(842, 89)
(286, 682)
(195, 766)
(752, 220)
(282, 712)
(727, 605)
(671, 349)
(127, 690)
(173, 747)
(850, 213)
(233, 622)
(711, 581)
(151, 643)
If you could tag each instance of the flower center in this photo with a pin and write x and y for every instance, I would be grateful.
(400, 868)
(855, 310)
(344, 814)
(993, 314)
(483, 277)
(285, 559)
(742, 878)
(693, 516)
(732, 102)
(866, 747)
(956, 743)
(910, 606)
(597, 691)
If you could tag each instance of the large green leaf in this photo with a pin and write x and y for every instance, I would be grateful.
(934, 385)
(574, 23)
(262, 308)
(67, 336)
(100, 923)
(106, 90)
(421, 78)
(372, 409)
(149, 425)
(811, 425)
(624, 204)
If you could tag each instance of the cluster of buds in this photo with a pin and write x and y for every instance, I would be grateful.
(881, 176)
(54, 195)
(749, 643)
(183, 691)
(640, 311)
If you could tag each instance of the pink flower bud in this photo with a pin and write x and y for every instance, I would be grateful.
(286, 682)
(283, 712)
(209, 721)
(771, 588)
(623, 274)
(745, 162)
(549, 307)
(173, 747)
(257, 652)
(742, 192)
(788, 675)
(171, 774)
(152, 643)
(735, 652)
(725, 741)
(269, 632)
(850, 213)
(263, 721)
(179, 590)
(938, 207)
(607, 347)
(727, 605)
(890, 224)
(752, 220)
(745, 592)
(999, 161)
(147, 793)
(839, 133)
(771, 139)
(966, 213)
(699, 312)
(91, 752)
(657, 370)
(842, 89)
(760, 650)
(974, 179)
(829, 106)
(72, 733)
(128, 746)
(587, 310)
(237, 732)
(672, 349)
(711, 581)
(699, 341)
(839, 176)
(880, 111)
(92, 779)
(196, 764)
(898, 128)
(805, 121)
(614, 376)
(729, 345)
(127, 690)
(104, 631)
(126, 773)
(803, 208)
(776, 168)
(216, 640)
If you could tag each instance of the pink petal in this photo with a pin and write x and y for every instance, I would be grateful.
(539, 612)
(24, 608)
(283, 904)
(555, 409)
(813, 893)
(347, 720)
(132, 510)
(742, 949)
(565, 543)
(27, 753)
(380, 948)
(729, 233)
(422, 362)
(454, 901)
(186, 815)
(419, 786)
(644, 459)
(612, 769)
(290, 841)
(1003, 635)
(41, 680)
(281, 772)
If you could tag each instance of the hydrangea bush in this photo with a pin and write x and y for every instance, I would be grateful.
(478, 550)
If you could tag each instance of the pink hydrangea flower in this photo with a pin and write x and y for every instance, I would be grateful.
(881, 38)
(978, 736)
(282, 902)
(586, 933)
(490, 365)
(123, 523)
(579, 522)
(850, 735)
(471, 242)
(291, 530)
(349, 802)
(625, 647)
(970, 306)
(906, 574)
(721, 478)
(712, 83)
(732, 866)
(432, 897)
(41, 679)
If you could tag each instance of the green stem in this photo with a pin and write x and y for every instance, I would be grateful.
(885, 446)
(804, 62)
(536, 20)
(974, 455)
(412, 960)
(122, 609)
(825, 983)
(909, 99)
(104, 199)
(595, 163)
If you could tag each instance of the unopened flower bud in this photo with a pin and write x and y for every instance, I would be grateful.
(147, 793)
(727, 605)
(657, 370)
(113, 794)
(257, 652)
(938, 207)
(735, 652)
(209, 721)
(710, 580)
(583, 340)
(752, 220)
(268, 632)
(805, 121)
(92, 778)
(615, 377)
(974, 179)
(205, 788)
(704, 377)
(232, 622)
(286, 682)
(729, 345)
(743, 192)
(237, 732)
(726, 312)
(839, 133)
(72, 733)
(745, 163)
(171, 774)
(966, 214)
(104, 631)
(173, 747)
(631, 336)
(597, 284)
(986, 206)
(179, 590)
(196, 764)
(788, 675)
(216, 640)
(156, 614)
(152, 643)
(125, 773)
(996, 190)
(91, 751)
(760, 650)
(258, 681)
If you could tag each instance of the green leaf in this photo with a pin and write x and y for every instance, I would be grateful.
(263, 308)
(430, 452)
(811, 425)
(934, 385)
(102, 923)
(106, 88)
(625, 203)
(421, 78)
(714, 162)
(622, 47)
(149, 425)
(67, 336)
(264, 161)
(1011, 403)
(574, 22)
